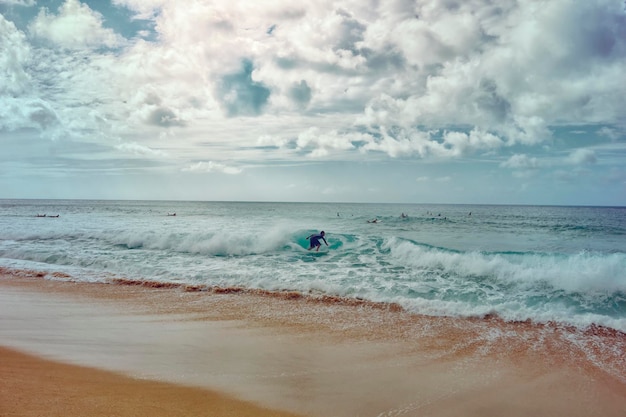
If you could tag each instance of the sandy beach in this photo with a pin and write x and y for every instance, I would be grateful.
(76, 349)
(32, 386)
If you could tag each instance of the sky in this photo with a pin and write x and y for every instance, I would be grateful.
(426, 101)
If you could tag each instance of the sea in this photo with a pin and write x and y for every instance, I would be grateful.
(543, 264)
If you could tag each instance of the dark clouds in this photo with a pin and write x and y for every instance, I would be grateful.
(349, 33)
(42, 116)
(491, 102)
(300, 93)
(164, 117)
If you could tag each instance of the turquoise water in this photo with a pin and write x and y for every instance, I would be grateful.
(562, 264)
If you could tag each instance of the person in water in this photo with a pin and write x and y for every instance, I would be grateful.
(315, 240)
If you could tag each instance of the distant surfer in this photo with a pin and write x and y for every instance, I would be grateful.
(314, 240)
(373, 221)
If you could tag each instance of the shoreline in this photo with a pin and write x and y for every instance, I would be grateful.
(292, 295)
(313, 358)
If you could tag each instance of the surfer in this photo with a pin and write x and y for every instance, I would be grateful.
(315, 240)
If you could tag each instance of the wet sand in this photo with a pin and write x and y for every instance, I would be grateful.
(31, 386)
(135, 347)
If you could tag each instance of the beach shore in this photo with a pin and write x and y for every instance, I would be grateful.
(140, 350)
(32, 386)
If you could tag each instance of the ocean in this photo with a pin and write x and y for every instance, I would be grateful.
(544, 264)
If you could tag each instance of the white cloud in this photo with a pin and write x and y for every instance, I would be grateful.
(75, 27)
(25, 113)
(476, 64)
(521, 161)
(404, 144)
(211, 166)
(141, 150)
(522, 74)
(270, 140)
(463, 143)
(144, 9)
(15, 55)
(25, 3)
(321, 143)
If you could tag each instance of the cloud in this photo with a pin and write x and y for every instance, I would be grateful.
(345, 80)
(143, 9)
(350, 32)
(300, 93)
(211, 166)
(41, 115)
(400, 143)
(76, 26)
(141, 150)
(501, 67)
(19, 114)
(164, 117)
(521, 161)
(582, 157)
(459, 143)
(25, 3)
(482, 66)
(15, 55)
(320, 144)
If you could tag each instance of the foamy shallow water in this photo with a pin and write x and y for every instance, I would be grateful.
(319, 358)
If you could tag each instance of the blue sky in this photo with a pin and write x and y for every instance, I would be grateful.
(431, 101)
